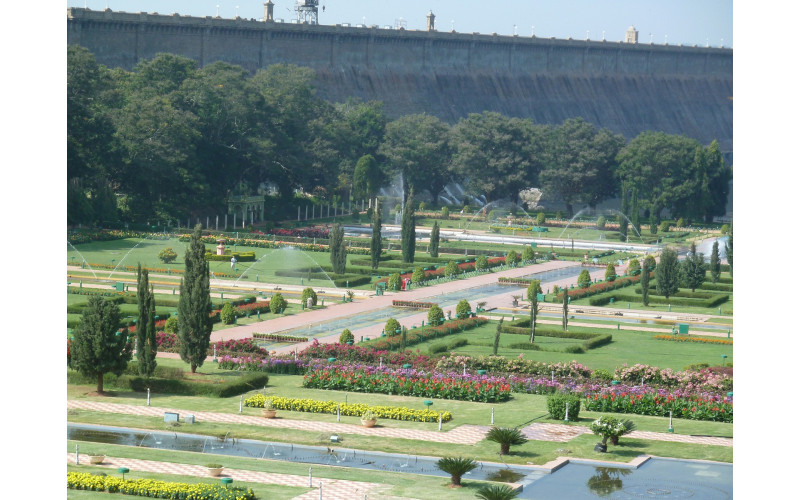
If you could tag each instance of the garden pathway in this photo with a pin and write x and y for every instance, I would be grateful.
(464, 434)
(333, 489)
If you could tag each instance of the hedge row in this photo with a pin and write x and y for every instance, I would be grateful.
(715, 301)
(590, 340)
(179, 387)
(240, 256)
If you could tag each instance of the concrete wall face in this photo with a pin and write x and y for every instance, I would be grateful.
(628, 88)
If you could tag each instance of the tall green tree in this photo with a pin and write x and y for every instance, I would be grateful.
(667, 273)
(635, 223)
(338, 250)
(693, 269)
(729, 249)
(622, 218)
(534, 288)
(645, 281)
(366, 178)
(375, 243)
(98, 347)
(419, 146)
(194, 304)
(434, 245)
(565, 309)
(579, 163)
(408, 229)
(146, 345)
(496, 344)
(714, 263)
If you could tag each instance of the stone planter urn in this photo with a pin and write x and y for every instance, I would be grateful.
(269, 413)
(369, 423)
(96, 459)
(214, 471)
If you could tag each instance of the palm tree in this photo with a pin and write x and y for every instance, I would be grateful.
(496, 492)
(456, 467)
(506, 436)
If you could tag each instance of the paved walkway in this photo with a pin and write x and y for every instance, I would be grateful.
(332, 489)
(464, 434)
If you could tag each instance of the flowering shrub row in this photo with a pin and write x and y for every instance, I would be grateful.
(409, 383)
(87, 236)
(603, 286)
(368, 355)
(275, 337)
(705, 380)
(417, 335)
(680, 338)
(413, 304)
(156, 489)
(463, 267)
(646, 401)
(348, 409)
(264, 364)
(500, 364)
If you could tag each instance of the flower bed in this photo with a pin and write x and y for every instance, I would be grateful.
(649, 401)
(264, 364)
(603, 286)
(157, 489)
(412, 304)
(368, 355)
(409, 382)
(679, 338)
(347, 409)
(275, 337)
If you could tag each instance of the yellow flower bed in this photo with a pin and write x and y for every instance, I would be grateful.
(156, 489)
(679, 338)
(348, 409)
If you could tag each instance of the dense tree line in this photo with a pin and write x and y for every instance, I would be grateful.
(169, 140)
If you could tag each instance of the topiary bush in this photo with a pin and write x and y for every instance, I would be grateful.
(346, 336)
(611, 272)
(171, 325)
(392, 327)
(557, 405)
(418, 276)
(451, 269)
(463, 309)
(435, 315)
(227, 315)
(277, 304)
(309, 293)
(601, 222)
(167, 255)
(527, 254)
(445, 213)
(664, 227)
(481, 263)
(634, 267)
(540, 219)
(394, 282)
(584, 279)
(512, 257)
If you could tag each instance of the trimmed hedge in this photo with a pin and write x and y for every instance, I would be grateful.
(240, 257)
(180, 387)
(714, 301)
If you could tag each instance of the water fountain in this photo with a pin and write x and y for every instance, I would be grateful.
(83, 259)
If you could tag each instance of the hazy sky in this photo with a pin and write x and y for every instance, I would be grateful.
(685, 22)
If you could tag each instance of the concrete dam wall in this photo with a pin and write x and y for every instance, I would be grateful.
(628, 88)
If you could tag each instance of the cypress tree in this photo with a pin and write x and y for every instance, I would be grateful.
(566, 309)
(497, 337)
(714, 264)
(667, 273)
(645, 285)
(623, 220)
(408, 229)
(729, 249)
(146, 346)
(637, 226)
(98, 346)
(338, 250)
(375, 246)
(194, 304)
(534, 288)
(435, 240)
(693, 269)
(654, 219)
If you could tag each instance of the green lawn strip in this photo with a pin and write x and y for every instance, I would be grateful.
(261, 490)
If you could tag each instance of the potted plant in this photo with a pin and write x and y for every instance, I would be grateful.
(96, 458)
(368, 419)
(214, 469)
(610, 429)
(269, 410)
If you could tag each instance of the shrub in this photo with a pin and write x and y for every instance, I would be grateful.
(725, 229)
(167, 255)
(309, 293)
(557, 406)
(451, 269)
(663, 227)
(496, 492)
(611, 272)
(435, 315)
(421, 206)
(392, 327)
(481, 263)
(505, 437)
(603, 375)
(601, 222)
(463, 309)
(634, 267)
(156, 489)
(540, 219)
(394, 282)
(346, 336)
(445, 213)
(418, 276)
(584, 279)
(680, 223)
(559, 215)
(512, 257)
(277, 304)
(227, 314)
(527, 254)
(171, 325)
(437, 348)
